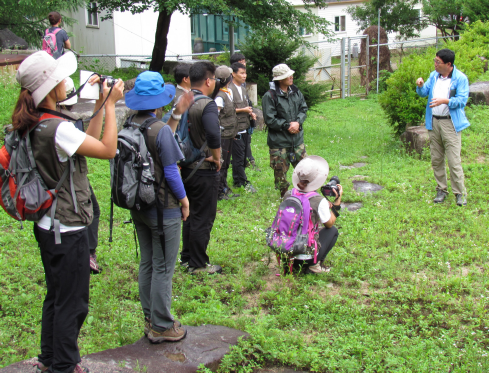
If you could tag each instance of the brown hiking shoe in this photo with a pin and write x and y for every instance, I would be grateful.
(80, 369)
(318, 268)
(147, 326)
(210, 269)
(40, 367)
(175, 333)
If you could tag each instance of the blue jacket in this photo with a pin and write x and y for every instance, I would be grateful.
(459, 94)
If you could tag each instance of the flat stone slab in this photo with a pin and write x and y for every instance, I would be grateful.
(479, 93)
(354, 165)
(365, 187)
(206, 344)
(353, 206)
(416, 139)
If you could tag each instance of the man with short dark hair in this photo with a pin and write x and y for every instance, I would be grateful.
(284, 112)
(180, 72)
(243, 112)
(448, 91)
(62, 39)
(238, 57)
(202, 187)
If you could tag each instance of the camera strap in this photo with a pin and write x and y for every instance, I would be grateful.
(334, 208)
(77, 92)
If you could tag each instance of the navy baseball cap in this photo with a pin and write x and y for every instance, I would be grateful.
(150, 92)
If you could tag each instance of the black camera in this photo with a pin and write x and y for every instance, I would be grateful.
(110, 80)
(327, 190)
(292, 157)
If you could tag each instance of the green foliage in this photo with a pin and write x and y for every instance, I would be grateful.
(314, 93)
(218, 59)
(400, 101)
(9, 92)
(29, 18)
(383, 76)
(395, 16)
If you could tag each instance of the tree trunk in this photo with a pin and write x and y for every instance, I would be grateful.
(161, 41)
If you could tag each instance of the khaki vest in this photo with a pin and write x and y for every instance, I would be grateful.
(51, 170)
(227, 117)
(152, 134)
(243, 118)
(197, 133)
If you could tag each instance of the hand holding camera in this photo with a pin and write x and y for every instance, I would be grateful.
(333, 188)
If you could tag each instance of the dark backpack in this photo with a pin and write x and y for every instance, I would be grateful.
(129, 186)
(182, 135)
(292, 231)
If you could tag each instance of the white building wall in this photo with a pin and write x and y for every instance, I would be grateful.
(135, 33)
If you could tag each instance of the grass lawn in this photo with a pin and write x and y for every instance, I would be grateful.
(407, 292)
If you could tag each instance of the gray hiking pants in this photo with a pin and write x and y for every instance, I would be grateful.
(156, 269)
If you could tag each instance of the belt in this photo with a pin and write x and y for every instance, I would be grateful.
(441, 116)
(238, 136)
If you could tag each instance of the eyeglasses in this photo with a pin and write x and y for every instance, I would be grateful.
(214, 79)
(438, 62)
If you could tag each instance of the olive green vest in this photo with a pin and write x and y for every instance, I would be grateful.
(51, 169)
(152, 134)
(197, 132)
(227, 117)
(243, 118)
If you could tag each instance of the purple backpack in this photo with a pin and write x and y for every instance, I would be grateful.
(292, 232)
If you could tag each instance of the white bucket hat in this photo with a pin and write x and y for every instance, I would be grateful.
(314, 169)
(40, 73)
(70, 87)
(281, 72)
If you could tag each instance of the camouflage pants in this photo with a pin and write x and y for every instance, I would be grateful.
(280, 162)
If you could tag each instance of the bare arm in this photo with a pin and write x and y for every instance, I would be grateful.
(105, 148)
(183, 104)
(68, 44)
(337, 202)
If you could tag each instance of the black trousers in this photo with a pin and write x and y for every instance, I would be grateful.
(67, 273)
(92, 229)
(238, 151)
(248, 149)
(196, 232)
(327, 238)
(226, 149)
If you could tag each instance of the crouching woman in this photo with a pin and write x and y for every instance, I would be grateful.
(62, 232)
(309, 175)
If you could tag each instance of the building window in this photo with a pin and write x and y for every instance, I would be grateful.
(303, 32)
(92, 15)
(340, 23)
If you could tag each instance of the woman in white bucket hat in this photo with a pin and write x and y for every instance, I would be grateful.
(309, 175)
(61, 233)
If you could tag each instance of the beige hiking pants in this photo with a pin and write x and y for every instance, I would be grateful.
(445, 142)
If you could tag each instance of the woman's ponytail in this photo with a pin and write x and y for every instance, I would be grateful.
(25, 113)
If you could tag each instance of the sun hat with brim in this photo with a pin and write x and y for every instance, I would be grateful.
(150, 92)
(281, 72)
(70, 87)
(40, 73)
(314, 169)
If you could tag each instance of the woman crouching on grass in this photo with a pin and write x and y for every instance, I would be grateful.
(64, 249)
(309, 175)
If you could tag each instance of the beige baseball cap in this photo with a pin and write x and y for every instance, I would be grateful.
(314, 169)
(281, 72)
(40, 73)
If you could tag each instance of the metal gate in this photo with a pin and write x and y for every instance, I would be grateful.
(351, 70)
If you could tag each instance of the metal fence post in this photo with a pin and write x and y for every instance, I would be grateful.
(378, 51)
(342, 74)
(349, 67)
(367, 63)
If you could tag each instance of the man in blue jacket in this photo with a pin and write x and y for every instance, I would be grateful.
(448, 90)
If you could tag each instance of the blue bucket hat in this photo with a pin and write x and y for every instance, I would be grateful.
(150, 92)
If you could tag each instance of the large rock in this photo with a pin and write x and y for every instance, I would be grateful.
(416, 139)
(260, 123)
(479, 93)
(206, 344)
(8, 40)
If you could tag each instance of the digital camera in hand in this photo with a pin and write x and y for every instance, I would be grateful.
(327, 190)
(110, 80)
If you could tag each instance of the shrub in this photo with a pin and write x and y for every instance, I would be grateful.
(400, 101)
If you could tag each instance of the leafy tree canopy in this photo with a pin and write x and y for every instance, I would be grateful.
(29, 18)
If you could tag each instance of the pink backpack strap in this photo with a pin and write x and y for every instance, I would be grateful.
(56, 31)
(47, 31)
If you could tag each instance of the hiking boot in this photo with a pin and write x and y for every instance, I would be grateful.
(147, 326)
(318, 268)
(440, 196)
(461, 200)
(175, 333)
(230, 193)
(94, 268)
(249, 188)
(210, 269)
(80, 369)
(254, 166)
(40, 367)
(184, 264)
(222, 196)
(282, 192)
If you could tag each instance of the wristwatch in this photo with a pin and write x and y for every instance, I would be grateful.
(176, 117)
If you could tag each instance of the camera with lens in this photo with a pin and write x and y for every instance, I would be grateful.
(110, 80)
(327, 190)
(292, 157)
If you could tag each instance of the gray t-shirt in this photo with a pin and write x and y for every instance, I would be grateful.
(61, 37)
